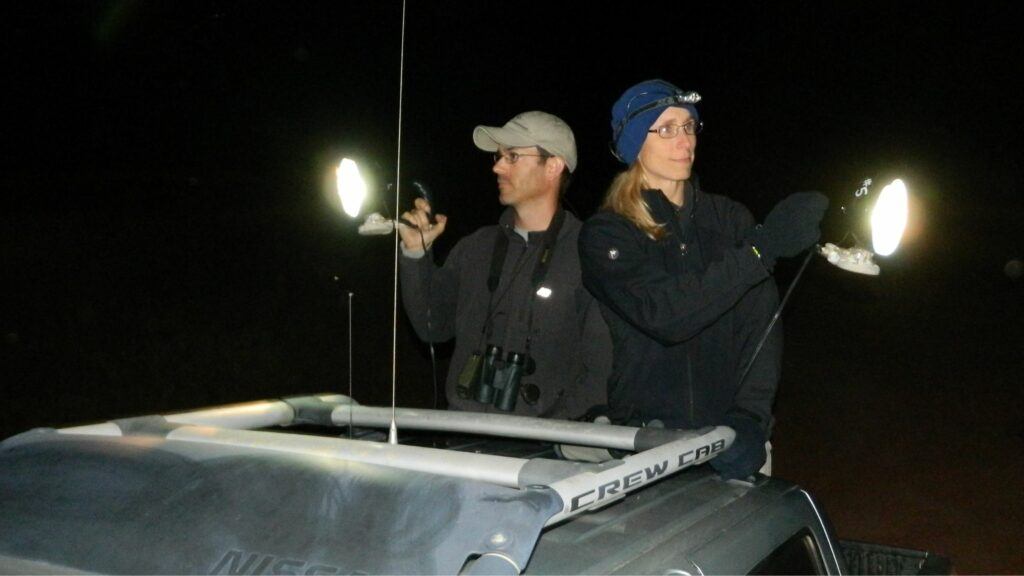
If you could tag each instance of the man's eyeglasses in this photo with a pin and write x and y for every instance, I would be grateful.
(672, 130)
(513, 157)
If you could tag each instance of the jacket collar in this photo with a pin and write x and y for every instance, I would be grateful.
(663, 210)
(507, 223)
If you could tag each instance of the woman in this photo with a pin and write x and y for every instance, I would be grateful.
(683, 278)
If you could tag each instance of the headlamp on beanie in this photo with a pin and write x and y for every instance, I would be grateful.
(638, 108)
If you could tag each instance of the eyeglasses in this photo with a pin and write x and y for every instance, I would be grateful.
(672, 130)
(513, 157)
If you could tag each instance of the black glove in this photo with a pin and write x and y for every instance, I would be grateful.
(790, 228)
(747, 454)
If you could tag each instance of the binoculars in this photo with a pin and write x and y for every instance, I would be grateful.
(491, 379)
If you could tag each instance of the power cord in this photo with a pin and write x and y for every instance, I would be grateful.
(430, 328)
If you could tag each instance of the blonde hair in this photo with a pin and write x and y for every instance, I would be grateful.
(625, 198)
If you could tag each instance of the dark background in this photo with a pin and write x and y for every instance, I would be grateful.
(172, 239)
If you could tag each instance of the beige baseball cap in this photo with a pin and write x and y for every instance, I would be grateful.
(530, 129)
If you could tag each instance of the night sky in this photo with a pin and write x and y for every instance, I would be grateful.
(171, 238)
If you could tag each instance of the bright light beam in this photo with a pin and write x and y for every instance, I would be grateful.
(351, 187)
(889, 218)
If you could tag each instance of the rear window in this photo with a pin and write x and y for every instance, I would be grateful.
(798, 555)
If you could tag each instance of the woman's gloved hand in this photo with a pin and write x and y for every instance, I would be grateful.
(747, 454)
(790, 228)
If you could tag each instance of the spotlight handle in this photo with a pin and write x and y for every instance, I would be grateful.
(778, 312)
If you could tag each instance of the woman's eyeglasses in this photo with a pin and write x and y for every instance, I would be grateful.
(672, 130)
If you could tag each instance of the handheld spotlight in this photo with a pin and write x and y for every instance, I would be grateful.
(886, 219)
(352, 191)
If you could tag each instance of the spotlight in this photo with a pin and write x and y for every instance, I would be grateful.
(886, 220)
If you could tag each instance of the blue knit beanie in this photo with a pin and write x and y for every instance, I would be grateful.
(638, 108)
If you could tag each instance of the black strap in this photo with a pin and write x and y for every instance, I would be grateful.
(547, 251)
(497, 260)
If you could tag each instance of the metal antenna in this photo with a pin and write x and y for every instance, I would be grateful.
(351, 398)
(393, 430)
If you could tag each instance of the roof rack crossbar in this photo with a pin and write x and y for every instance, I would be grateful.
(340, 410)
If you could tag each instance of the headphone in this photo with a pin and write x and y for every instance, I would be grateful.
(675, 97)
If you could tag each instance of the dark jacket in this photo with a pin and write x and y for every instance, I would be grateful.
(685, 312)
(570, 343)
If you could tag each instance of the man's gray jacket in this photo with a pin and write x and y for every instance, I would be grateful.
(569, 342)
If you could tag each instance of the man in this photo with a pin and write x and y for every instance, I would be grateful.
(684, 280)
(529, 338)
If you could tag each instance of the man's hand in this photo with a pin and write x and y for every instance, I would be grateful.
(425, 232)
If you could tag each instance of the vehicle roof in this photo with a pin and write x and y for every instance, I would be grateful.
(173, 495)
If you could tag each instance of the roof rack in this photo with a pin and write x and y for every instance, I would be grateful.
(581, 487)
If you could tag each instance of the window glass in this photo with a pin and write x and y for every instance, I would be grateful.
(798, 555)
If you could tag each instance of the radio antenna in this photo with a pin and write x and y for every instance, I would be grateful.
(393, 430)
(351, 398)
